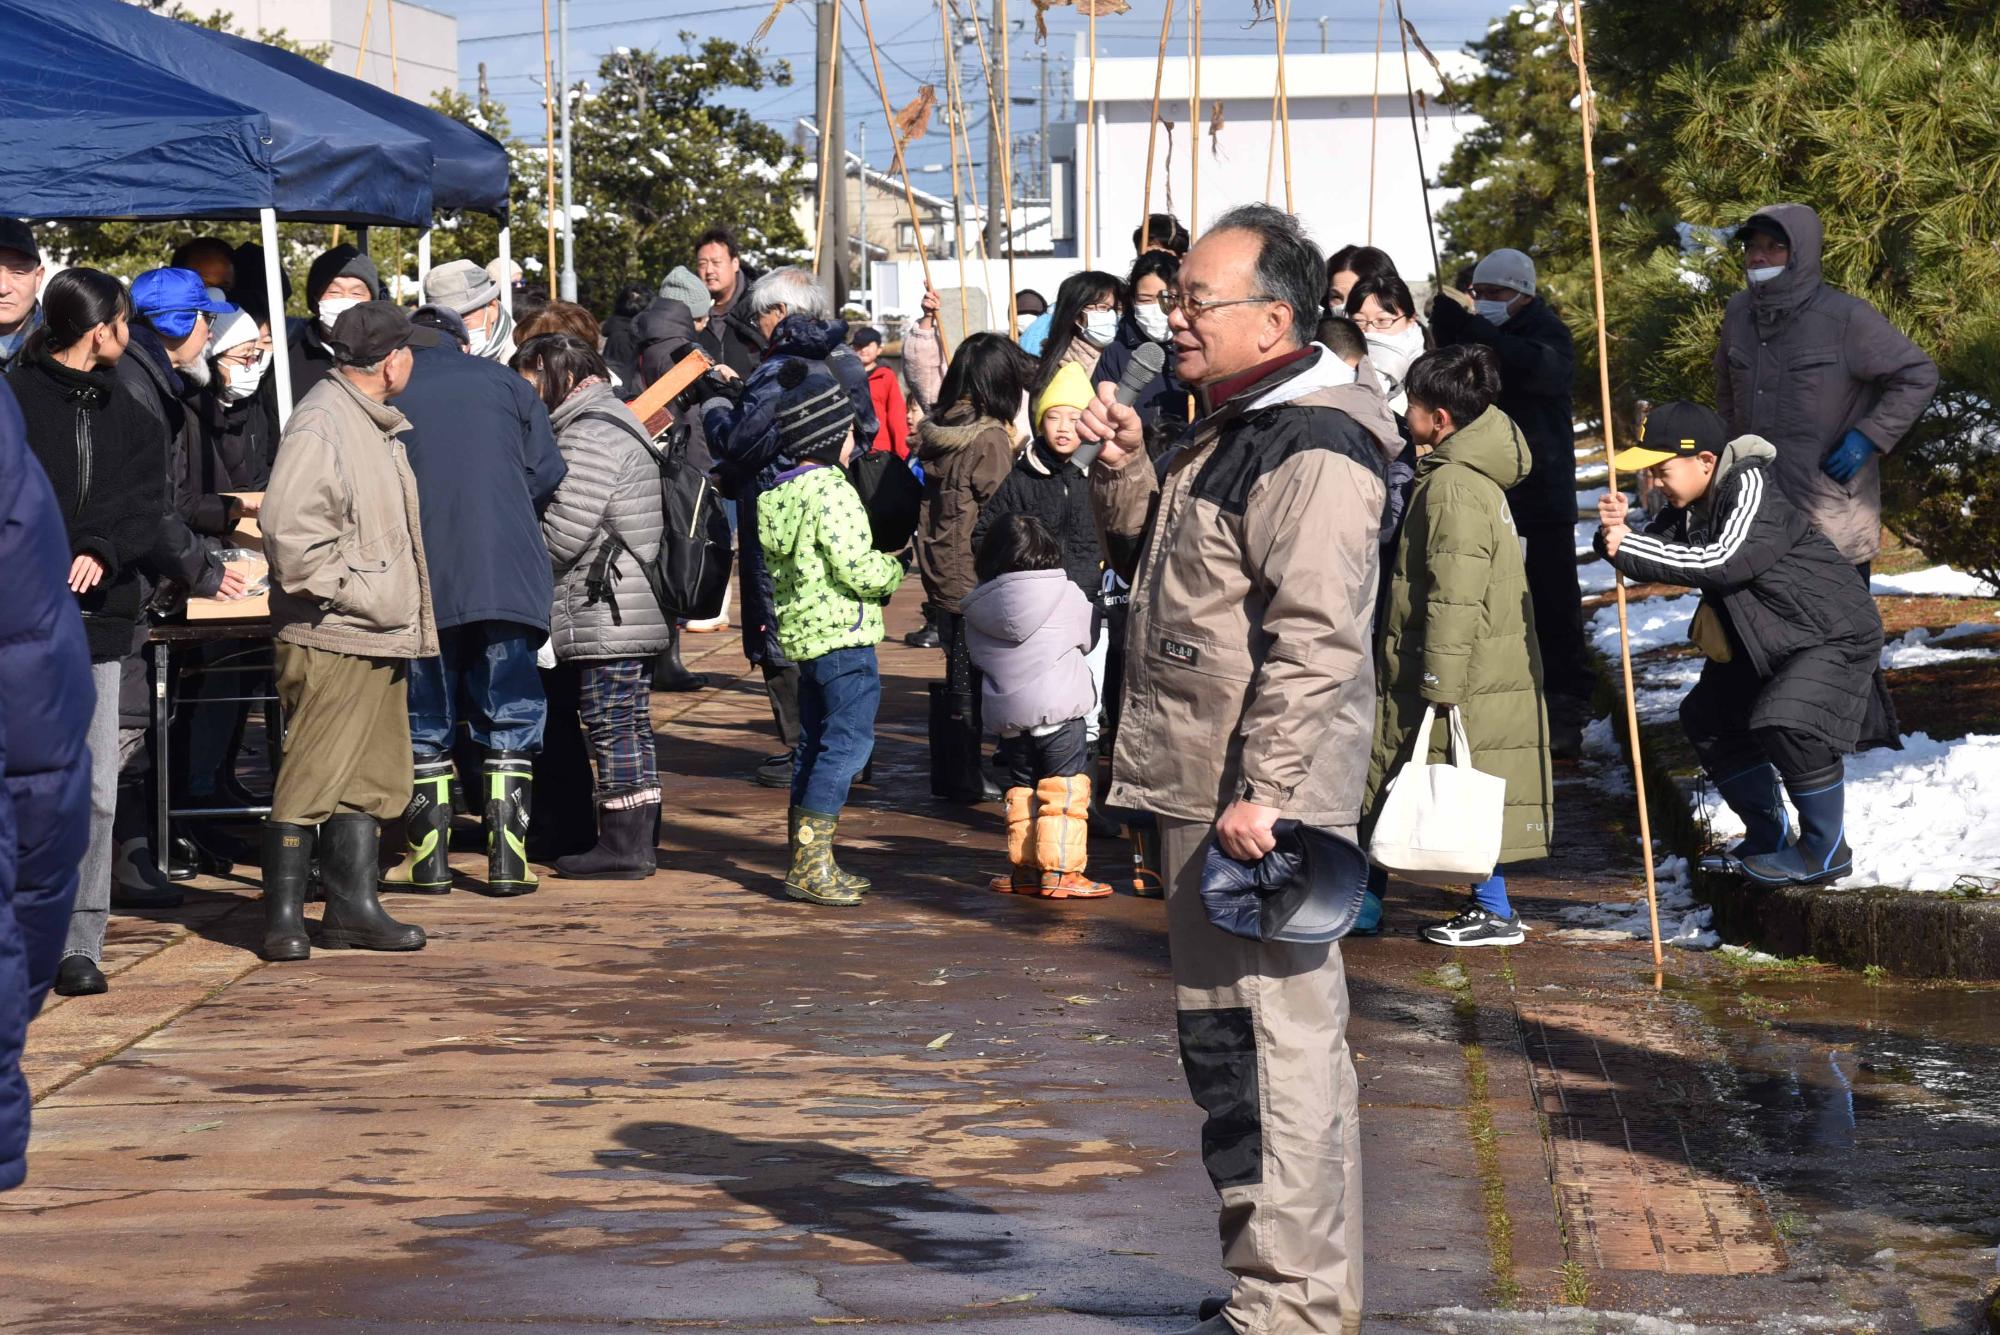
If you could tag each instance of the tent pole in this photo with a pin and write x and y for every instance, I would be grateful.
(274, 286)
(423, 260)
(507, 269)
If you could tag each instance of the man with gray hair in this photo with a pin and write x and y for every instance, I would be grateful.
(1253, 551)
(468, 290)
(793, 315)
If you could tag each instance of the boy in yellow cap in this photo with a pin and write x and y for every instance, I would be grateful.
(1793, 639)
(1047, 485)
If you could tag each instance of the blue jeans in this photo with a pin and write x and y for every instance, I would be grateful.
(486, 669)
(838, 693)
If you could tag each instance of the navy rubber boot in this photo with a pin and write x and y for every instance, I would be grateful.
(1753, 794)
(1821, 854)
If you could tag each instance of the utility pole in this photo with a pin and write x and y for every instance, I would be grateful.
(831, 262)
(997, 221)
(1042, 135)
(1322, 34)
(567, 286)
(865, 270)
(482, 83)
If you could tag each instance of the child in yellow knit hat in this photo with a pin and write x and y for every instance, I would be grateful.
(1048, 794)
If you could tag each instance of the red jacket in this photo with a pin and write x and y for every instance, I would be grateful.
(892, 431)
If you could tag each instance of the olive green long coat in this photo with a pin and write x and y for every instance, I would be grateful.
(1459, 630)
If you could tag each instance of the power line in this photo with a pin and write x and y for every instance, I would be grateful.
(620, 23)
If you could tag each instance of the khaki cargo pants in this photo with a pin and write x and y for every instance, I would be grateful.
(347, 735)
(1263, 1033)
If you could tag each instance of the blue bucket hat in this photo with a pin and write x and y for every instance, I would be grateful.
(1307, 890)
(171, 298)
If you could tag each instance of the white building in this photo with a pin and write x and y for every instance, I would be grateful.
(421, 62)
(1331, 98)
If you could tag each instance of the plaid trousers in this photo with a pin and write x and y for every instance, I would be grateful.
(616, 702)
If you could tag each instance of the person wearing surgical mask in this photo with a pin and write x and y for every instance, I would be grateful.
(464, 287)
(239, 409)
(1387, 316)
(1083, 323)
(1537, 373)
(339, 280)
(1166, 398)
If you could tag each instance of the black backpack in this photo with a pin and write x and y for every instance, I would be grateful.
(691, 574)
(892, 496)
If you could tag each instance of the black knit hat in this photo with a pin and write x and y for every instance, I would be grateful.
(343, 261)
(814, 414)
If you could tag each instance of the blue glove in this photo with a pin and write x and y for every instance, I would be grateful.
(1849, 457)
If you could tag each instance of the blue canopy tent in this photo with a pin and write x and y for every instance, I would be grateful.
(95, 133)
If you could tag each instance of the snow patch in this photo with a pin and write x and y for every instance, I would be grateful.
(1936, 582)
(1920, 648)
(1655, 623)
(1683, 922)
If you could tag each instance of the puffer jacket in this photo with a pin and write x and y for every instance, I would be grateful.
(44, 764)
(1788, 598)
(1460, 630)
(1247, 664)
(101, 453)
(829, 582)
(1029, 633)
(965, 459)
(604, 606)
(185, 551)
(1801, 365)
(743, 438)
(343, 533)
(1051, 488)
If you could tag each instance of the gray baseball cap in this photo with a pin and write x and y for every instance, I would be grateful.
(460, 286)
(1507, 268)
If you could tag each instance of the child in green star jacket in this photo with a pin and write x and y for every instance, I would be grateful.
(830, 584)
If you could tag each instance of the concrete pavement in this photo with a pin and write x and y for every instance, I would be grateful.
(691, 1101)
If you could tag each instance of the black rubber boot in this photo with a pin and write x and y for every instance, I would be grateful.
(426, 864)
(288, 853)
(510, 788)
(670, 674)
(354, 917)
(625, 844)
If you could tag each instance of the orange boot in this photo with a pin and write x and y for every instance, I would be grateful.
(1062, 838)
(1026, 877)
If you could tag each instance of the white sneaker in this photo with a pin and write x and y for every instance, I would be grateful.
(1477, 927)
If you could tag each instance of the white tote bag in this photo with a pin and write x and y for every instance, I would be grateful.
(1440, 824)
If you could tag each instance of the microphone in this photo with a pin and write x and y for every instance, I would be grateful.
(1145, 367)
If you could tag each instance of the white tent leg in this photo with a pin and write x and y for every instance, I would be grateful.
(274, 288)
(507, 269)
(423, 259)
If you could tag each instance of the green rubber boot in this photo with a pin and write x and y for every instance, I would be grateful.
(426, 865)
(813, 876)
(860, 885)
(510, 782)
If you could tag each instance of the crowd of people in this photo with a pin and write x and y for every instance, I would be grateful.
(1209, 605)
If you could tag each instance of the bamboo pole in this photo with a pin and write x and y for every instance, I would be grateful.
(395, 75)
(1586, 99)
(1007, 163)
(1006, 172)
(1410, 90)
(896, 144)
(1153, 126)
(951, 141)
(1375, 116)
(1284, 9)
(971, 176)
(549, 130)
(1195, 126)
(1090, 149)
(824, 154)
(361, 48)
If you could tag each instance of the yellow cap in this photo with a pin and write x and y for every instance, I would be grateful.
(1637, 458)
(1069, 387)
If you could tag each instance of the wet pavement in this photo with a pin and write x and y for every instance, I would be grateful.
(690, 1101)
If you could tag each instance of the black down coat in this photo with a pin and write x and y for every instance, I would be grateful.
(1049, 487)
(1537, 370)
(1791, 603)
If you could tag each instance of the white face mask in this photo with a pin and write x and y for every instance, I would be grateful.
(1152, 322)
(243, 380)
(332, 308)
(1766, 273)
(1100, 327)
(1023, 323)
(1493, 312)
(1391, 355)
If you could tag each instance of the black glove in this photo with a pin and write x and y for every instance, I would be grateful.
(1447, 318)
(714, 385)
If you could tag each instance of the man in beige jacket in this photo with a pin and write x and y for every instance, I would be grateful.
(351, 604)
(1253, 551)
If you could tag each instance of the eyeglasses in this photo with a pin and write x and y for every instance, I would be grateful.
(1196, 308)
(1380, 324)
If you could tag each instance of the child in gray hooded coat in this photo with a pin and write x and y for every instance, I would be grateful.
(1029, 630)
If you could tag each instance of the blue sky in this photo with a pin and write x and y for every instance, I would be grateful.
(506, 34)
